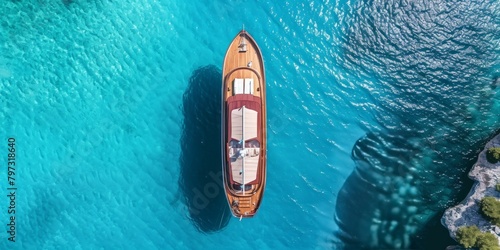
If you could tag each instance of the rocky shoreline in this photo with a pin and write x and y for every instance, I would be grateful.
(468, 212)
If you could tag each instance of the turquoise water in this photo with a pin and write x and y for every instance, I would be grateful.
(376, 112)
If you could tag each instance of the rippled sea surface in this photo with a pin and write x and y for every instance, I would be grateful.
(377, 110)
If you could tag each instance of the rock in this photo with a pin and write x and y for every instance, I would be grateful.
(486, 175)
(454, 248)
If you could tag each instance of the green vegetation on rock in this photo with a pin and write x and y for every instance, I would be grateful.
(471, 236)
(490, 207)
(467, 236)
(493, 155)
(487, 241)
(497, 187)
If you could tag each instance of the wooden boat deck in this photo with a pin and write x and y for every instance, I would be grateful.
(247, 64)
(236, 65)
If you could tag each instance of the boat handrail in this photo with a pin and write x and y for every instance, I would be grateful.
(243, 147)
(243, 67)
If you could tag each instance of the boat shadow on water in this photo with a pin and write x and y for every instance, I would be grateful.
(200, 160)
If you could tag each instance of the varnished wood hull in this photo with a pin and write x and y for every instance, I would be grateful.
(244, 147)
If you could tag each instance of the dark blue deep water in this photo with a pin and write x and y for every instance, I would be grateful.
(377, 110)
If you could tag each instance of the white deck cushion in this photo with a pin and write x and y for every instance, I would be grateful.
(248, 86)
(238, 86)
